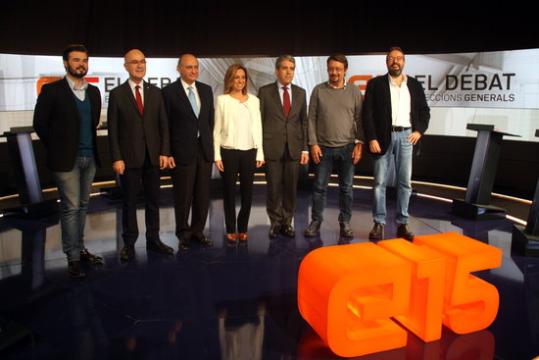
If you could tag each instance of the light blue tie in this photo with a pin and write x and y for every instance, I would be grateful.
(193, 101)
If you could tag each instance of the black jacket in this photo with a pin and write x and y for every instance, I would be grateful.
(184, 125)
(377, 110)
(57, 123)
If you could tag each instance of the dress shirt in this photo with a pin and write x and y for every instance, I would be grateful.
(281, 92)
(400, 103)
(132, 84)
(186, 89)
(80, 92)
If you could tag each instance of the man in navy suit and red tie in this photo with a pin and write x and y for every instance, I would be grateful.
(283, 107)
(139, 146)
(189, 106)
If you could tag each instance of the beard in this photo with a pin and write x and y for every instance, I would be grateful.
(79, 72)
(395, 72)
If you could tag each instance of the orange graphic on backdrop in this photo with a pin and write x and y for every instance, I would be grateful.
(351, 295)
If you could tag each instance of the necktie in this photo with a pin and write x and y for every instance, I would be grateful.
(286, 101)
(138, 98)
(193, 100)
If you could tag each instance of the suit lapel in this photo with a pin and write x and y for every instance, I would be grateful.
(387, 94)
(276, 96)
(147, 102)
(295, 101)
(70, 95)
(129, 94)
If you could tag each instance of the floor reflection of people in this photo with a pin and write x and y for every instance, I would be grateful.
(241, 330)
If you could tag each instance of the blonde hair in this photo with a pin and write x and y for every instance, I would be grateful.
(229, 78)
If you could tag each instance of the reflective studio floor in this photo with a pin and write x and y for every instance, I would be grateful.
(224, 302)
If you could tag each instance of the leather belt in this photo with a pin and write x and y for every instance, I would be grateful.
(399, 128)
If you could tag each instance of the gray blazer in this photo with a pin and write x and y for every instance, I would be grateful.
(130, 134)
(279, 130)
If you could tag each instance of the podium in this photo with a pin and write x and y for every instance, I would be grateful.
(19, 142)
(476, 204)
(525, 241)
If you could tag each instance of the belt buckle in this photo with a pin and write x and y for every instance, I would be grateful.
(397, 128)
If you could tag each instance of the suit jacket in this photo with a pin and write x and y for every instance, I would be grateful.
(279, 130)
(130, 134)
(184, 125)
(57, 123)
(377, 109)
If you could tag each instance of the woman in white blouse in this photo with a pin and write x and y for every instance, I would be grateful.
(237, 137)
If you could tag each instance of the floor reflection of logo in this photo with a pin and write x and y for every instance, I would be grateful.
(351, 295)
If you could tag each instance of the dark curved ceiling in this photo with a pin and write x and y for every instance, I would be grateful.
(266, 28)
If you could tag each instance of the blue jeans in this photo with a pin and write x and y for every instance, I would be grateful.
(400, 149)
(343, 156)
(74, 189)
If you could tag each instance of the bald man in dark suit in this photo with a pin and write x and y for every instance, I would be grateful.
(189, 106)
(139, 146)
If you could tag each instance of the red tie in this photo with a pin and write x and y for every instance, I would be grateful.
(140, 107)
(286, 101)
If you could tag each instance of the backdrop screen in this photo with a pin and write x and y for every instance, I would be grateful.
(498, 88)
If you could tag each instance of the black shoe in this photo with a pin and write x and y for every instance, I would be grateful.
(346, 230)
(159, 247)
(404, 232)
(86, 256)
(313, 229)
(127, 253)
(204, 241)
(184, 242)
(184, 245)
(274, 231)
(73, 269)
(288, 231)
(377, 232)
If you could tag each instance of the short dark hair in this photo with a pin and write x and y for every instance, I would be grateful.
(282, 58)
(73, 47)
(395, 48)
(339, 58)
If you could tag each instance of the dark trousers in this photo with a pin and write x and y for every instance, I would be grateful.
(242, 162)
(131, 180)
(282, 177)
(192, 187)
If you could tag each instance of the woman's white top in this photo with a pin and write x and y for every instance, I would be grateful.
(238, 125)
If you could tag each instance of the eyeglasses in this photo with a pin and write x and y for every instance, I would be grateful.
(395, 58)
(136, 62)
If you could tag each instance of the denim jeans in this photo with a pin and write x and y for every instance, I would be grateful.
(343, 157)
(400, 149)
(74, 189)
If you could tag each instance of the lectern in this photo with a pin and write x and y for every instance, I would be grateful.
(483, 172)
(19, 142)
(526, 240)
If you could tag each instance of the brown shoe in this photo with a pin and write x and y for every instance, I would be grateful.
(404, 232)
(242, 236)
(88, 257)
(231, 237)
(377, 232)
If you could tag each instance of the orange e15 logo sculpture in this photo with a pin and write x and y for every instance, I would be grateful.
(354, 295)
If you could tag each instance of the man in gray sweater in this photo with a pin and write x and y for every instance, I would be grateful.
(335, 136)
